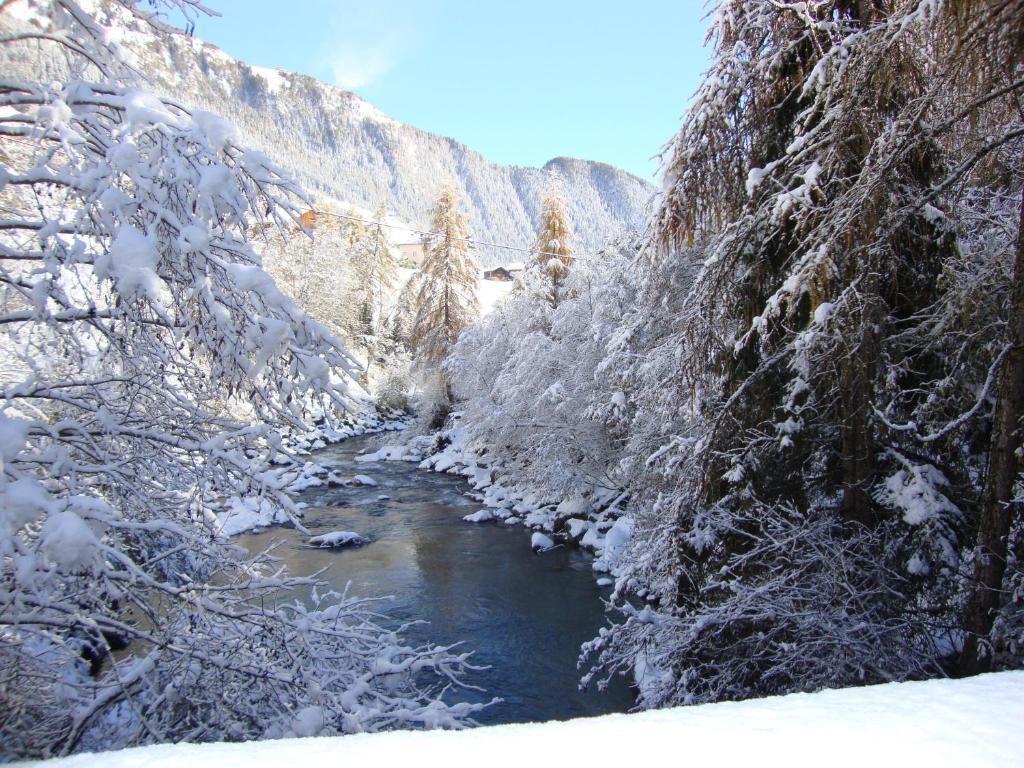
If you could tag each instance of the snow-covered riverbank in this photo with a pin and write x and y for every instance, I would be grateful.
(971, 722)
(242, 514)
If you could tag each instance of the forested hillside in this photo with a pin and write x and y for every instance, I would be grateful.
(337, 145)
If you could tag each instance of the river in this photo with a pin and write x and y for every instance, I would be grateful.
(523, 615)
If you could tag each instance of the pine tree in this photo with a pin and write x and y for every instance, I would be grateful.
(789, 557)
(447, 301)
(552, 255)
(314, 269)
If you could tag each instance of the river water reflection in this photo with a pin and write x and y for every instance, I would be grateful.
(523, 615)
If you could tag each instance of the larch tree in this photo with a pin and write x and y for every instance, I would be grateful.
(789, 533)
(447, 301)
(552, 252)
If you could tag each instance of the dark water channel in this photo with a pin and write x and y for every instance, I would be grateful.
(523, 615)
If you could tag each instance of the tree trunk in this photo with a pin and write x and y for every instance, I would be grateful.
(996, 514)
(857, 444)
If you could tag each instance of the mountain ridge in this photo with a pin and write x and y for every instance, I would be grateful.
(361, 155)
(338, 145)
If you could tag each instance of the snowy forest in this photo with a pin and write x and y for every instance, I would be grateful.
(781, 423)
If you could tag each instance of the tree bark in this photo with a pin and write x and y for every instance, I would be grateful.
(996, 513)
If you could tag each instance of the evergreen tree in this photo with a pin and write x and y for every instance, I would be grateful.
(372, 274)
(552, 255)
(799, 542)
(313, 266)
(447, 300)
(981, 45)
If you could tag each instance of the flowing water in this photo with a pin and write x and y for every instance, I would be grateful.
(523, 615)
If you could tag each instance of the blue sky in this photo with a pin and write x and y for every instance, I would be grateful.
(521, 82)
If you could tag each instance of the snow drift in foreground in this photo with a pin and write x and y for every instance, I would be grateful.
(976, 721)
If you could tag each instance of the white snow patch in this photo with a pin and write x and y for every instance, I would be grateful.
(246, 514)
(364, 110)
(13, 434)
(131, 264)
(491, 293)
(823, 312)
(68, 542)
(218, 131)
(142, 109)
(574, 506)
(275, 78)
(309, 721)
(915, 491)
(21, 503)
(578, 527)
(391, 453)
(936, 723)
(612, 545)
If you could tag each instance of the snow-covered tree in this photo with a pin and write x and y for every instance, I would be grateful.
(808, 382)
(133, 309)
(374, 273)
(981, 44)
(447, 299)
(552, 253)
(384, 269)
(542, 387)
(313, 265)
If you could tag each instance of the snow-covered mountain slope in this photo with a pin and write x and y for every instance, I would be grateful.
(339, 145)
(962, 723)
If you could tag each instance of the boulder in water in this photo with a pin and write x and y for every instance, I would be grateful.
(338, 540)
(540, 542)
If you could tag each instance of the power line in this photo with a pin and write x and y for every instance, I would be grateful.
(440, 234)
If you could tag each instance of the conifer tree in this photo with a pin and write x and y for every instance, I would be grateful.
(795, 534)
(313, 268)
(982, 42)
(447, 301)
(552, 255)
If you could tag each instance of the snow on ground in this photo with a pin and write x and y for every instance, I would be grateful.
(364, 110)
(491, 293)
(972, 722)
(391, 453)
(541, 543)
(275, 77)
(240, 515)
